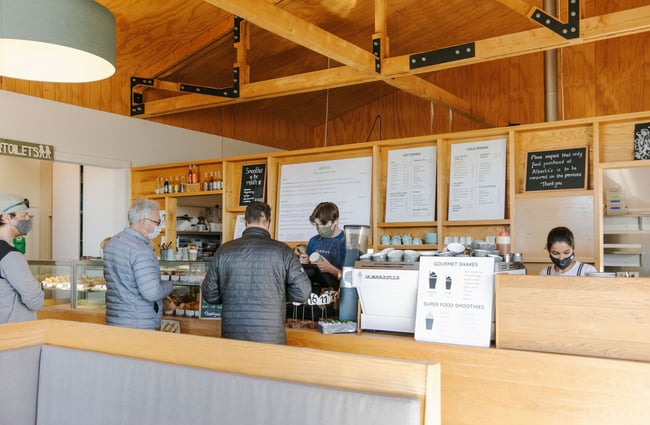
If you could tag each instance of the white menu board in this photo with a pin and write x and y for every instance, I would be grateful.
(455, 300)
(411, 185)
(477, 180)
(346, 182)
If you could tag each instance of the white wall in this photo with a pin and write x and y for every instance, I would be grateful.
(91, 137)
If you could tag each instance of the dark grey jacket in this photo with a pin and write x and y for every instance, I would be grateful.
(253, 277)
(133, 287)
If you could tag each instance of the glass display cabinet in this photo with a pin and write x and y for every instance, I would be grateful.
(89, 285)
(186, 277)
(55, 280)
(81, 284)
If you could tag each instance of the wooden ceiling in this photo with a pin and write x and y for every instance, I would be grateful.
(290, 51)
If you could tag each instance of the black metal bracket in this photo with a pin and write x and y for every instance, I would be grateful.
(137, 100)
(569, 30)
(231, 92)
(137, 104)
(236, 31)
(447, 54)
(376, 50)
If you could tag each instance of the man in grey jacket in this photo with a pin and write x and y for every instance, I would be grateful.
(253, 277)
(133, 288)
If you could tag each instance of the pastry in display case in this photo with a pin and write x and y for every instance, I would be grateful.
(186, 277)
(55, 279)
(90, 285)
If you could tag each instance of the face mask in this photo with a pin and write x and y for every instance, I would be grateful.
(563, 264)
(325, 231)
(24, 226)
(156, 232)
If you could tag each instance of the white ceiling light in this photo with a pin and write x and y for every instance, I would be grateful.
(63, 41)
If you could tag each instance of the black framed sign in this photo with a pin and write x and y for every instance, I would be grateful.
(557, 169)
(253, 178)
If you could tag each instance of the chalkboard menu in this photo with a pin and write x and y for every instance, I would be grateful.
(556, 169)
(210, 311)
(252, 183)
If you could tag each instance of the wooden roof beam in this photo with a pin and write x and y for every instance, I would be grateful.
(611, 25)
(280, 22)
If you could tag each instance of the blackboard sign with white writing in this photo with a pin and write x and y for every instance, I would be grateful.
(210, 311)
(252, 183)
(556, 169)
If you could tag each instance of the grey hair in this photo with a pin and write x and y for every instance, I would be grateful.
(141, 209)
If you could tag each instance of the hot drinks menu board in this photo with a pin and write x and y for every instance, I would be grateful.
(477, 181)
(411, 185)
(252, 183)
(346, 182)
(455, 300)
(556, 169)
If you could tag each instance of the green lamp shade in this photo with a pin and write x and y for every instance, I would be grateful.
(63, 41)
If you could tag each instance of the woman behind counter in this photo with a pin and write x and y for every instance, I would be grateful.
(560, 244)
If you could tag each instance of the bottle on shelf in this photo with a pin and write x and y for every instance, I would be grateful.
(176, 185)
(211, 182)
(158, 189)
(503, 242)
(166, 186)
(205, 181)
(182, 186)
(219, 182)
(190, 175)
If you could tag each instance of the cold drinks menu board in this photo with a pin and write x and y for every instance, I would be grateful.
(477, 180)
(455, 300)
(411, 185)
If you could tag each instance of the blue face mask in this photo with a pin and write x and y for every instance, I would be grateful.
(563, 264)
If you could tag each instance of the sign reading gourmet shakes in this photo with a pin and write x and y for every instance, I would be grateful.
(26, 150)
(556, 169)
(252, 183)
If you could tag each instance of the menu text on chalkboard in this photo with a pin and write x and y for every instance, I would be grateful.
(252, 183)
(556, 169)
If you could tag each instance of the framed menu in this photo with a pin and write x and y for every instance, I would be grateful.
(411, 185)
(477, 181)
(346, 182)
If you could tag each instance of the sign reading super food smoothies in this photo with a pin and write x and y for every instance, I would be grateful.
(454, 303)
(26, 150)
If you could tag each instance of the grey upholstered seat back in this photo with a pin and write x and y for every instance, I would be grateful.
(81, 387)
(19, 385)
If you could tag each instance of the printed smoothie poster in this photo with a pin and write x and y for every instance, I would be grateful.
(454, 303)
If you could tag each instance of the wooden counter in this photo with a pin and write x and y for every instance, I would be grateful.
(201, 327)
(589, 316)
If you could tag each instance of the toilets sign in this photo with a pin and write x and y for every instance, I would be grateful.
(26, 150)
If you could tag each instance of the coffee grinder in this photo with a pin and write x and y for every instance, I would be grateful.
(356, 244)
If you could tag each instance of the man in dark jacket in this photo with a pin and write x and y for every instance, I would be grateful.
(253, 277)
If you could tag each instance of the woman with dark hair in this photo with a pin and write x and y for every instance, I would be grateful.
(560, 245)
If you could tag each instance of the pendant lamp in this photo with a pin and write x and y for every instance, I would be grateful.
(62, 41)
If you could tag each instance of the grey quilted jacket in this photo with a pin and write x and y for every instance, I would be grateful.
(253, 277)
(133, 288)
